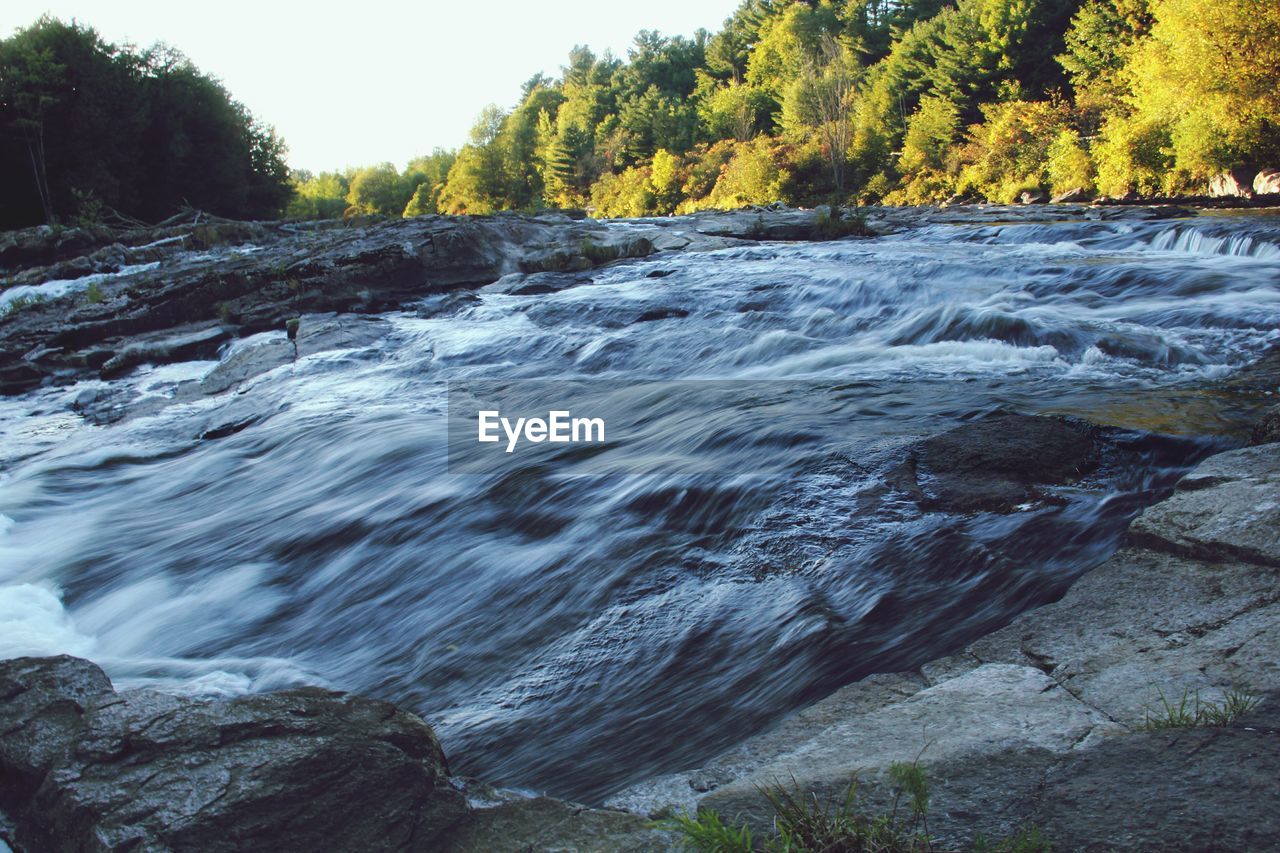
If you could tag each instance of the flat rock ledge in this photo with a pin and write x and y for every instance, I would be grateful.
(1043, 722)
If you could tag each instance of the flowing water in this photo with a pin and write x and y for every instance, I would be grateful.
(572, 628)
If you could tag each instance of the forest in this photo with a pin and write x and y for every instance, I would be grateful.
(800, 101)
(91, 131)
(900, 101)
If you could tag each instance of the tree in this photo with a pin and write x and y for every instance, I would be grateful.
(30, 80)
(139, 132)
(823, 97)
(379, 189)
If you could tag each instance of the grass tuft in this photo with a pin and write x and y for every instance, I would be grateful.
(804, 823)
(1190, 711)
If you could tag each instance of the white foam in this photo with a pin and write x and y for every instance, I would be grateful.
(63, 286)
(33, 622)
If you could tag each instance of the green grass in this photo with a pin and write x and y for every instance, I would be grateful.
(1190, 711)
(805, 823)
(19, 303)
(93, 293)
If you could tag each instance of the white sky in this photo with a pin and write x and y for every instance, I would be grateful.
(358, 83)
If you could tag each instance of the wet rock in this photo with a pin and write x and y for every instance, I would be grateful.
(165, 348)
(1267, 182)
(248, 361)
(1233, 183)
(1267, 430)
(301, 769)
(997, 463)
(19, 378)
(42, 704)
(1228, 508)
(321, 332)
(995, 716)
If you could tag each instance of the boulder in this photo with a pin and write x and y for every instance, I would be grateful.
(1267, 182)
(997, 463)
(85, 768)
(1033, 197)
(1233, 183)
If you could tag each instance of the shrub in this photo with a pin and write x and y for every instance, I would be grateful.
(753, 176)
(1069, 165)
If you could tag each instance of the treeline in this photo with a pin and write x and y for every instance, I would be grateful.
(91, 130)
(905, 101)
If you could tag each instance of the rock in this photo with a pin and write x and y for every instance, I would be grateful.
(519, 824)
(302, 769)
(1146, 622)
(1033, 197)
(321, 332)
(248, 361)
(19, 378)
(1075, 196)
(164, 348)
(1188, 789)
(1040, 722)
(42, 703)
(1233, 183)
(1008, 719)
(997, 463)
(1267, 182)
(1267, 430)
(1228, 508)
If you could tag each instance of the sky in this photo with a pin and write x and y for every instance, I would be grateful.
(358, 83)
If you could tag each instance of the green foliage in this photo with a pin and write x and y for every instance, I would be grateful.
(1190, 711)
(88, 127)
(627, 194)
(909, 101)
(1009, 152)
(752, 176)
(707, 833)
(1069, 165)
(21, 303)
(93, 293)
(805, 823)
(834, 224)
(378, 189)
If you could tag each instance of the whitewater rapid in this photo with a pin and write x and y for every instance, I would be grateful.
(572, 630)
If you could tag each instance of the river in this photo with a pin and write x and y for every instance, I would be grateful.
(572, 627)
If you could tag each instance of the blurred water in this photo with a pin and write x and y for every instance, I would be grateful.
(571, 629)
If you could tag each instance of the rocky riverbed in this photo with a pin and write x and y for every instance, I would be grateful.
(1041, 722)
